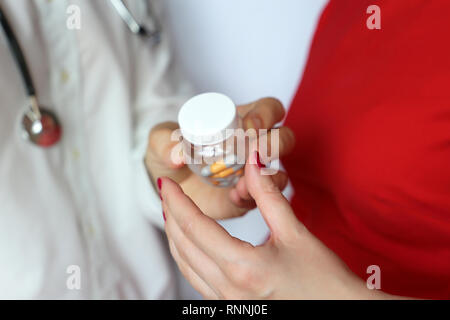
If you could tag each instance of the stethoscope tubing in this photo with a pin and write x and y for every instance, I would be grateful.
(18, 54)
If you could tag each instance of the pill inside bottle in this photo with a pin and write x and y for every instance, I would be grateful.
(210, 126)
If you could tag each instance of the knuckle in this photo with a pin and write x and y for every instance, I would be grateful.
(281, 180)
(270, 108)
(187, 227)
(248, 278)
(273, 102)
(287, 137)
(245, 276)
(278, 107)
(164, 129)
(155, 131)
(154, 142)
(282, 143)
(253, 281)
(270, 188)
(238, 272)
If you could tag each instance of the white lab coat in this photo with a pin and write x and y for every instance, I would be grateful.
(87, 202)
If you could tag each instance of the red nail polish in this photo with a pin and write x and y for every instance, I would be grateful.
(258, 161)
(164, 216)
(159, 184)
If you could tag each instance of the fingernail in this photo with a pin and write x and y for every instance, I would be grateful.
(258, 161)
(164, 216)
(159, 184)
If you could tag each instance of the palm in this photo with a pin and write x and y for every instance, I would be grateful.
(214, 202)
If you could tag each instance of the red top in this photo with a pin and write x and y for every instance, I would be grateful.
(371, 170)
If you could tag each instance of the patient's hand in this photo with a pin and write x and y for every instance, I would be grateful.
(292, 264)
(164, 159)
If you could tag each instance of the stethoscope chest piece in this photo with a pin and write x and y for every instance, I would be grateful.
(45, 131)
(40, 125)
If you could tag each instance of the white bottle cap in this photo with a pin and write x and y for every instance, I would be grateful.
(208, 119)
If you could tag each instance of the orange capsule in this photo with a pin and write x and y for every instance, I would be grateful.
(219, 166)
(228, 172)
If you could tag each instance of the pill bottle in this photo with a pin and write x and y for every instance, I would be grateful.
(209, 124)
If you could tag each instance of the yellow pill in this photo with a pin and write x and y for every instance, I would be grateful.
(219, 166)
(224, 173)
(228, 172)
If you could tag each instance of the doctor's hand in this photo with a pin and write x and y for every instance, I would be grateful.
(164, 158)
(292, 264)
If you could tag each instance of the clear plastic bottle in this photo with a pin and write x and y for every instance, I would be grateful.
(209, 124)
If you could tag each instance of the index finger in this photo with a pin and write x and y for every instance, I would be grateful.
(262, 114)
(274, 207)
(204, 232)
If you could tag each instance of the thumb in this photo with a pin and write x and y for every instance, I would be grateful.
(274, 207)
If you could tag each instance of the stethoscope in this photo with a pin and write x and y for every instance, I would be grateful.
(40, 125)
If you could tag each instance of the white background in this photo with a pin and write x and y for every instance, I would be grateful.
(247, 49)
